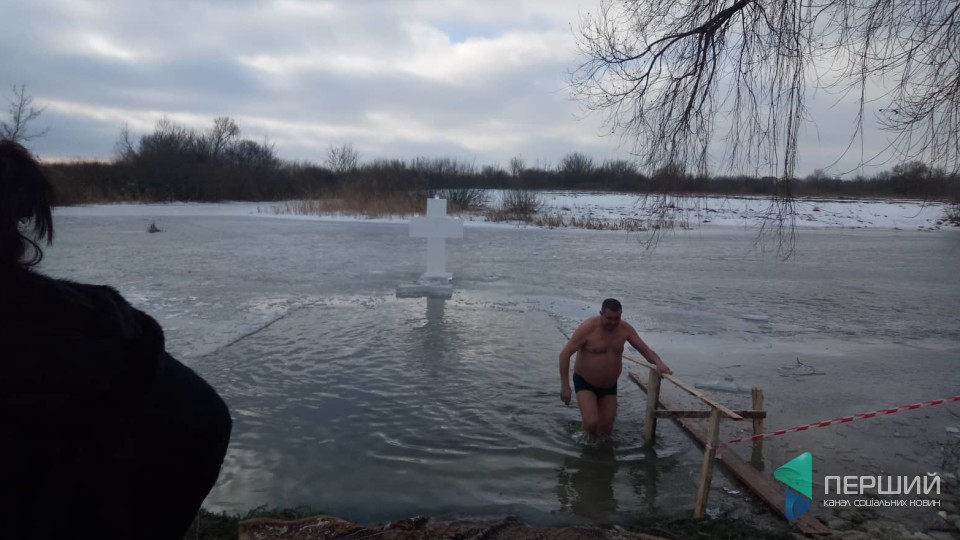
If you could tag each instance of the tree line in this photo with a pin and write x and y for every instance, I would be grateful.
(177, 163)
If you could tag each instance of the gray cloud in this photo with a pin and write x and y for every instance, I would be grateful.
(482, 81)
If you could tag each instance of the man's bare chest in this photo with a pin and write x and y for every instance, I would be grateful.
(603, 343)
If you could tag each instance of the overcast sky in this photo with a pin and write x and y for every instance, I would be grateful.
(477, 80)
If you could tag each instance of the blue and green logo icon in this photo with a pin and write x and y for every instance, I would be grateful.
(797, 474)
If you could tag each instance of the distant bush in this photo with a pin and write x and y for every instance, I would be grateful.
(535, 179)
(517, 205)
(521, 202)
(557, 220)
(462, 198)
(953, 214)
(352, 202)
(576, 170)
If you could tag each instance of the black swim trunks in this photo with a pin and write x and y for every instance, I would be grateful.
(579, 383)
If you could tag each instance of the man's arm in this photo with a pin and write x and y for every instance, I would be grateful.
(634, 338)
(574, 344)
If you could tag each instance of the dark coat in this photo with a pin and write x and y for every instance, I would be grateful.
(102, 433)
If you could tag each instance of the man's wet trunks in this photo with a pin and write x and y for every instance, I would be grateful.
(579, 383)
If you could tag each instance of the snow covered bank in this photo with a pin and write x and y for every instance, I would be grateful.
(700, 212)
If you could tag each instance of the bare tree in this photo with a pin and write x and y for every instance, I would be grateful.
(224, 132)
(619, 171)
(342, 158)
(172, 139)
(517, 166)
(124, 148)
(22, 114)
(669, 74)
(576, 164)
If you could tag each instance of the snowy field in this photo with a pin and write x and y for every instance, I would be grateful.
(701, 213)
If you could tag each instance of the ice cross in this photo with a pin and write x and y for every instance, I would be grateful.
(436, 227)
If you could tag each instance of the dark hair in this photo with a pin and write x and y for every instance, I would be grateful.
(25, 196)
(612, 304)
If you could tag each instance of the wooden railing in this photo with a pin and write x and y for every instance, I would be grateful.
(715, 412)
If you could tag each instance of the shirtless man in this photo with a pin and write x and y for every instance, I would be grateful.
(598, 343)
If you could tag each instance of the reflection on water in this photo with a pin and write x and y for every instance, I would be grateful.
(588, 486)
(585, 484)
(645, 478)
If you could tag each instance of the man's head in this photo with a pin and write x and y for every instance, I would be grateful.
(610, 312)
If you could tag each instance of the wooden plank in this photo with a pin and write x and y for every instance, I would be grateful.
(690, 390)
(757, 395)
(706, 471)
(653, 397)
(663, 413)
(768, 491)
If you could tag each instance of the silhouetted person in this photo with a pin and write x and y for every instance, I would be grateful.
(102, 433)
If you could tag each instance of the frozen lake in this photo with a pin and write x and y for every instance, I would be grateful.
(350, 401)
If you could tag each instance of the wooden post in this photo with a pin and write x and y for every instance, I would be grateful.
(756, 456)
(706, 472)
(764, 487)
(653, 397)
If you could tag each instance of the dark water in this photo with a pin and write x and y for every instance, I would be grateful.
(351, 401)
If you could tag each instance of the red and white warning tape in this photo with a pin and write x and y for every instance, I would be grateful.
(843, 420)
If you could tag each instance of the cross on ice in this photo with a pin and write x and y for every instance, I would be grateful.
(436, 227)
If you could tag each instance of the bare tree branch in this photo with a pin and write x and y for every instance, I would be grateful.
(224, 133)
(21, 115)
(342, 159)
(669, 74)
(124, 148)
